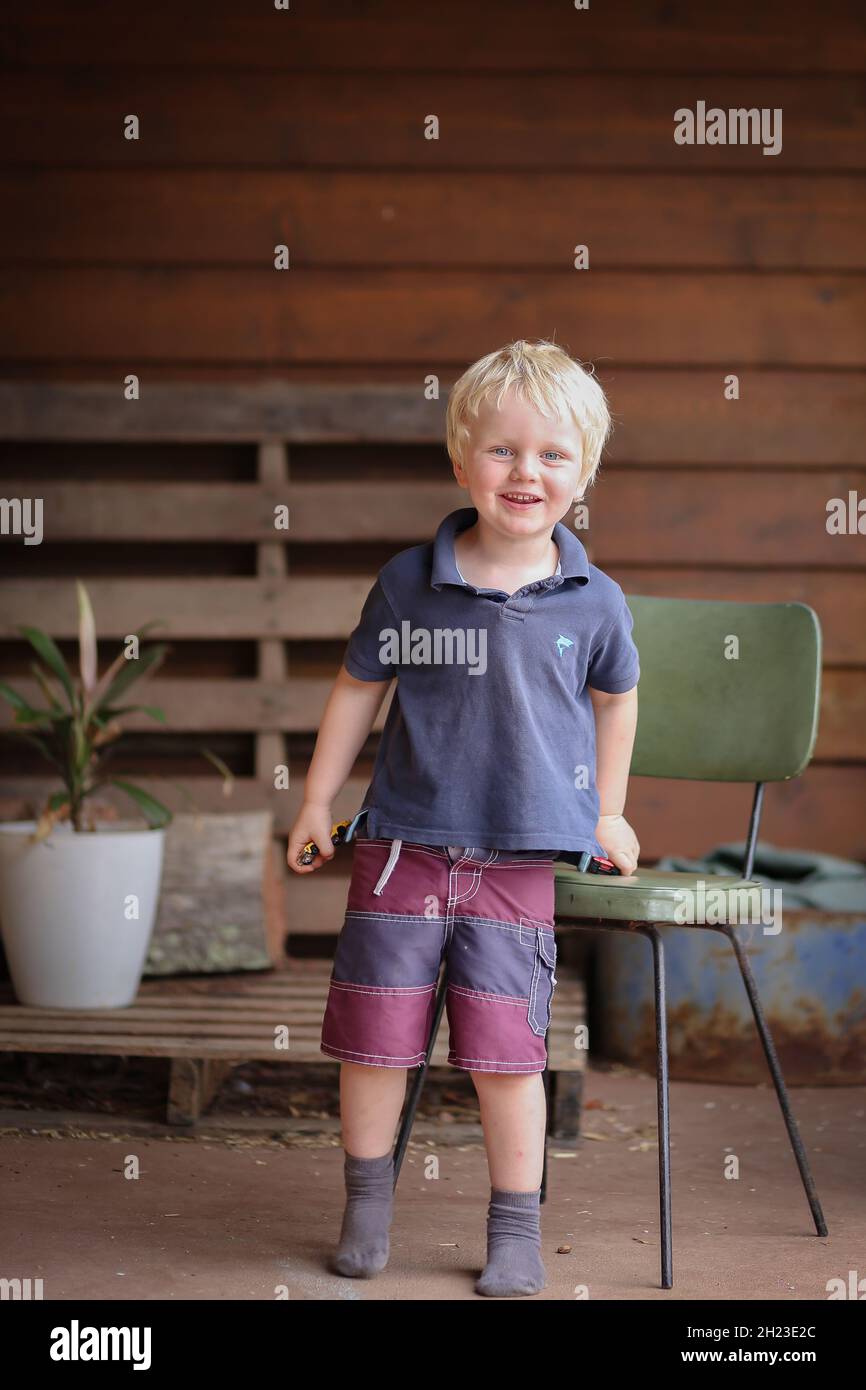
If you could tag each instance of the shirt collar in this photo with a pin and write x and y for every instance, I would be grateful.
(572, 556)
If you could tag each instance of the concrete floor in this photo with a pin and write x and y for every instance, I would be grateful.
(237, 1215)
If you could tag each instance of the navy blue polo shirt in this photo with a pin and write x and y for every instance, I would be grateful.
(490, 737)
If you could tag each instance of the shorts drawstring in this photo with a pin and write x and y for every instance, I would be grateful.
(396, 846)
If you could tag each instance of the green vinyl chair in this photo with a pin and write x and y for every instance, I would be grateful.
(728, 692)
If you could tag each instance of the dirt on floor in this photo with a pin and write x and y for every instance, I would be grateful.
(136, 1087)
(104, 1200)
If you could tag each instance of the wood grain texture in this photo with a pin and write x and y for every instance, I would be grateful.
(137, 316)
(760, 517)
(674, 417)
(533, 121)
(198, 706)
(327, 607)
(388, 37)
(345, 219)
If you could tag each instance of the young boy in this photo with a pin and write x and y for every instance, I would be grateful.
(508, 739)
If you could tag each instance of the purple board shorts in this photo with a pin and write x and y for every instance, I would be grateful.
(489, 913)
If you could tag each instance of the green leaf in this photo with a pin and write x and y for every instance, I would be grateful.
(34, 716)
(40, 716)
(45, 685)
(118, 664)
(132, 671)
(157, 815)
(153, 710)
(16, 700)
(46, 648)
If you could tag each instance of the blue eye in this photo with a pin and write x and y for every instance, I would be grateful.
(504, 449)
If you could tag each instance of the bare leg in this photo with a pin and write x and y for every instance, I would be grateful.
(370, 1103)
(371, 1099)
(513, 1115)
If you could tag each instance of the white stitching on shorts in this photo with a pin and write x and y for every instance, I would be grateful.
(528, 939)
(454, 899)
(488, 1064)
(540, 959)
(348, 1055)
(381, 989)
(516, 1000)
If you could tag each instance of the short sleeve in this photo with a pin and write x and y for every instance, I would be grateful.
(614, 665)
(362, 657)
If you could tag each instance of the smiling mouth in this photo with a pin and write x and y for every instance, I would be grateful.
(520, 499)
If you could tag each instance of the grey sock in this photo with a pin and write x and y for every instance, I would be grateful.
(513, 1245)
(364, 1245)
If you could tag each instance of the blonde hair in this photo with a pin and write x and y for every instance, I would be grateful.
(546, 377)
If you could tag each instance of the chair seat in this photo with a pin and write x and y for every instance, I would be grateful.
(654, 895)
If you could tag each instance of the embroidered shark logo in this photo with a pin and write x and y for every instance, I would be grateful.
(562, 643)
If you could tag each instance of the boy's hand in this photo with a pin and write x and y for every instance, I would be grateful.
(619, 842)
(313, 823)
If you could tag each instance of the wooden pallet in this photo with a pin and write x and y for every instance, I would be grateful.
(206, 1025)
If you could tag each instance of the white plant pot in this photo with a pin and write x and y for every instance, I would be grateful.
(77, 911)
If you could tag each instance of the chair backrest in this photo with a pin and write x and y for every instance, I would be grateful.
(728, 692)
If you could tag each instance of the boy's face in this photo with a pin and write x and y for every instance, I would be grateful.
(514, 449)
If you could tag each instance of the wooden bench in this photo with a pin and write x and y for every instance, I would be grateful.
(207, 1025)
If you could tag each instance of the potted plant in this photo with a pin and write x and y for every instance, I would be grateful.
(77, 907)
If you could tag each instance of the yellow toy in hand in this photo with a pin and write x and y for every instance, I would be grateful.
(311, 849)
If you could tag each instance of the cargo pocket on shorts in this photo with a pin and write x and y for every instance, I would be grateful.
(543, 981)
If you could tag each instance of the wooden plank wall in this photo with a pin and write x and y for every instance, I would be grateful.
(408, 258)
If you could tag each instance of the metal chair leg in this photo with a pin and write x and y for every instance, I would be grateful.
(778, 1080)
(418, 1082)
(663, 1106)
